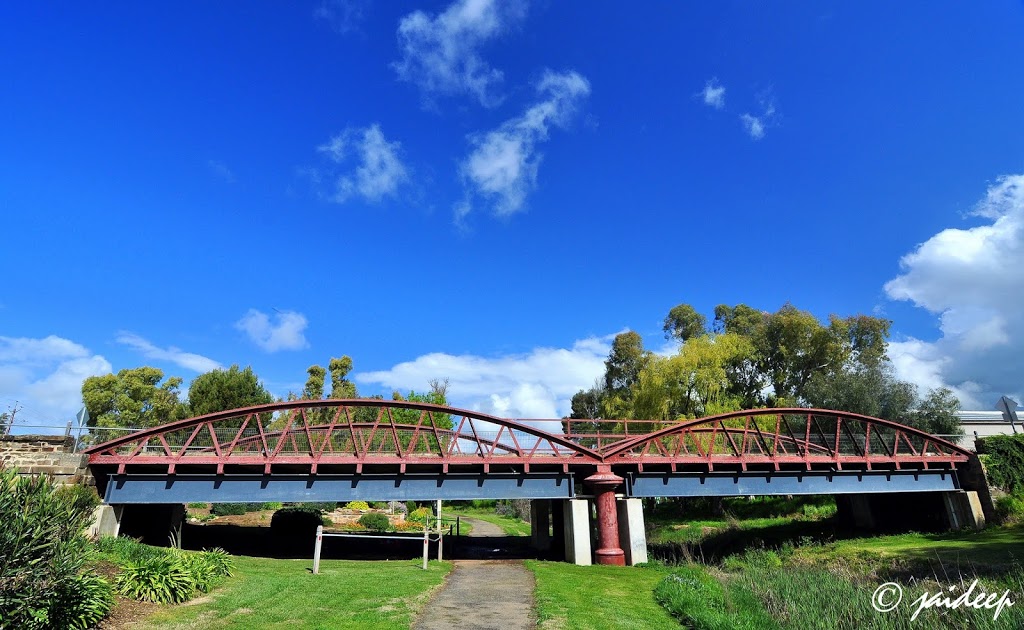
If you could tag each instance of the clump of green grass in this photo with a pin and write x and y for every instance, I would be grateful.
(163, 575)
(700, 601)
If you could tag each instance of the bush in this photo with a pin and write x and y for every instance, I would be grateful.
(379, 505)
(235, 509)
(1004, 461)
(410, 507)
(43, 550)
(375, 522)
(275, 505)
(296, 521)
(420, 515)
(164, 575)
(398, 507)
(360, 506)
(197, 506)
(162, 580)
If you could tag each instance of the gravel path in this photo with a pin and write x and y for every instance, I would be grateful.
(483, 529)
(482, 595)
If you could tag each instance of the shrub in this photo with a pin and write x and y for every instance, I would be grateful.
(234, 509)
(43, 551)
(1004, 461)
(197, 506)
(398, 507)
(379, 505)
(375, 522)
(83, 602)
(296, 521)
(410, 507)
(275, 505)
(360, 506)
(420, 515)
(220, 559)
(164, 580)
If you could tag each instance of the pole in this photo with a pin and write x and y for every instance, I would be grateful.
(425, 545)
(440, 534)
(316, 550)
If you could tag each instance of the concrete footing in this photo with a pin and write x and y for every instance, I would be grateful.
(106, 521)
(632, 535)
(576, 518)
(964, 510)
(540, 524)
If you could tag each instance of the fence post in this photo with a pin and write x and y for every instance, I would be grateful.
(440, 534)
(425, 545)
(316, 550)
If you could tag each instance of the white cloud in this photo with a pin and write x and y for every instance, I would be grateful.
(502, 168)
(379, 170)
(285, 333)
(755, 126)
(441, 55)
(343, 15)
(538, 384)
(973, 281)
(44, 376)
(221, 170)
(187, 360)
(714, 94)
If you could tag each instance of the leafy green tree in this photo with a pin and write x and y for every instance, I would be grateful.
(220, 390)
(341, 387)
(133, 398)
(692, 383)
(873, 390)
(684, 322)
(314, 389)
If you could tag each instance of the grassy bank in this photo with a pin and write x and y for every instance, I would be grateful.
(831, 585)
(267, 593)
(571, 597)
(510, 525)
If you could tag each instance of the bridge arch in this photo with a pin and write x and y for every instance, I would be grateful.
(789, 436)
(357, 432)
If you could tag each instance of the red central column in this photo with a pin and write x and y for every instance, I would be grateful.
(603, 484)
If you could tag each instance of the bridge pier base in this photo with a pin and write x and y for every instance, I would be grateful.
(603, 484)
(106, 521)
(964, 509)
(631, 530)
(540, 532)
(576, 517)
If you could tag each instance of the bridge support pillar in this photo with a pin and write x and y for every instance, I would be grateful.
(857, 508)
(963, 509)
(106, 521)
(540, 524)
(603, 484)
(631, 530)
(576, 517)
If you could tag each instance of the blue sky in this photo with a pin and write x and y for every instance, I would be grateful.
(488, 191)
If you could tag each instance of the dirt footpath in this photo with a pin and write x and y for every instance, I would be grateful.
(481, 595)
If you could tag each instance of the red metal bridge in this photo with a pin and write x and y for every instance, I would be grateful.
(313, 450)
(344, 450)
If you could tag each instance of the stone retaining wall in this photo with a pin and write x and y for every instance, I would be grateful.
(45, 454)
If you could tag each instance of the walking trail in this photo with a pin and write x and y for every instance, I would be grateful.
(482, 594)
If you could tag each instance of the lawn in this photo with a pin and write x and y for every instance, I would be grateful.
(265, 593)
(511, 526)
(598, 597)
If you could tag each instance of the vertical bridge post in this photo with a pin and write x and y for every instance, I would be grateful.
(603, 484)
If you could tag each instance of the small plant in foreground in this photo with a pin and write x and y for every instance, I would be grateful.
(160, 580)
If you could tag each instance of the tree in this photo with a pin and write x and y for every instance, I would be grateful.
(341, 387)
(684, 322)
(314, 389)
(132, 398)
(873, 390)
(220, 390)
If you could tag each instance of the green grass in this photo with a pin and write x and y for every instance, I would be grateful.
(571, 597)
(511, 526)
(265, 593)
(697, 530)
(993, 549)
